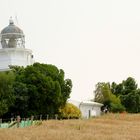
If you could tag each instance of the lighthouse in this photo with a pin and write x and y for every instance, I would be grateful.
(12, 48)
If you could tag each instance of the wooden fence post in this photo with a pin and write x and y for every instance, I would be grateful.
(56, 116)
(47, 116)
(24, 119)
(40, 117)
(32, 118)
(0, 122)
(18, 121)
(11, 120)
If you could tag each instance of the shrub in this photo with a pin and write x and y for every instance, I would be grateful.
(70, 111)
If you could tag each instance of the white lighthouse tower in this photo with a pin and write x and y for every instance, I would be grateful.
(12, 48)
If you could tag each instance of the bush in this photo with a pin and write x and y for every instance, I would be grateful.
(70, 111)
(117, 107)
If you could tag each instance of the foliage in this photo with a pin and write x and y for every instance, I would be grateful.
(117, 107)
(132, 101)
(104, 95)
(128, 93)
(125, 95)
(39, 89)
(70, 111)
(119, 97)
(6, 91)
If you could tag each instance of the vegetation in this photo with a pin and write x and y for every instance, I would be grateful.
(118, 97)
(37, 89)
(107, 127)
(129, 94)
(6, 91)
(104, 95)
(43, 89)
(70, 111)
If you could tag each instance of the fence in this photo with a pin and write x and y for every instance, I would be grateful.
(24, 122)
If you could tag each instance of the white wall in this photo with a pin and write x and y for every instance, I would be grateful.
(88, 106)
(15, 56)
(90, 110)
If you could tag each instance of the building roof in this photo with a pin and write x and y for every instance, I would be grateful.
(91, 103)
(86, 102)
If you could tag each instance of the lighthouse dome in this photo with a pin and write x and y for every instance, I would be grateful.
(12, 30)
(12, 36)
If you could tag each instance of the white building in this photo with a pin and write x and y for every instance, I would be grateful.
(12, 48)
(88, 108)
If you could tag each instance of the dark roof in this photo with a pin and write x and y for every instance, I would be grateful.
(11, 28)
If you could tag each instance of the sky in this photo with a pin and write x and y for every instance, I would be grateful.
(91, 40)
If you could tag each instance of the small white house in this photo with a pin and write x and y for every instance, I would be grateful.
(88, 108)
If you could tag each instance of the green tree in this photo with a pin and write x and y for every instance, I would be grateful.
(132, 101)
(125, 87)
(104, 95)
(129, 85)
(6, 91)
(117, 89)
(129, 94)
(40, 89)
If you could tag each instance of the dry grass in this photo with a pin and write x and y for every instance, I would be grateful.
(107, 127)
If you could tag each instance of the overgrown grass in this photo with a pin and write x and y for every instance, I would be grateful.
(106, 127)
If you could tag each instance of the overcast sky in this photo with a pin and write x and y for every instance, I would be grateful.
(91, 40)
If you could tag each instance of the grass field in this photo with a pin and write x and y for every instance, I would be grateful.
(106, 127)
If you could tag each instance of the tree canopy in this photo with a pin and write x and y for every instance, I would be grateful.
(70, 111)
(6, 91)
(119, 96)
(39, 89)
(104, 95)
(129, 94)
